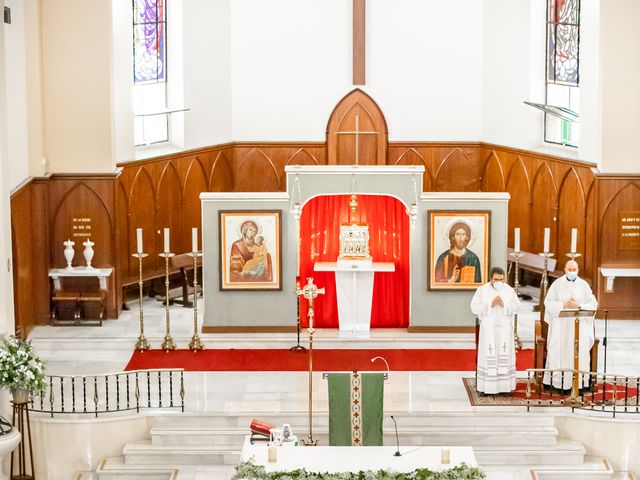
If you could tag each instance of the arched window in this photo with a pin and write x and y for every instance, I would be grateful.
(151, 124)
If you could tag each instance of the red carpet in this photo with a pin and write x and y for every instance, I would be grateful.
(329, 360)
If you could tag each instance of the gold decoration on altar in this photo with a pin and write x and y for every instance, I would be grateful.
(354, 242)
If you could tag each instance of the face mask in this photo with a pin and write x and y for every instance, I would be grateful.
(498, 285)
(571, 276)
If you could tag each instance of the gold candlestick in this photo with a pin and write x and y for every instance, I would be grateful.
(142, 344)
(516, 285)
(545, 282)
(573, 255)
(167, 344)
(196, 342)
(310, 292)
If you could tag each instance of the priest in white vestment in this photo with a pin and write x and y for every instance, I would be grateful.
(494, 304)
(568, 292)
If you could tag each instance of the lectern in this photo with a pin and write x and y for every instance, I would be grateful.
(575, 313)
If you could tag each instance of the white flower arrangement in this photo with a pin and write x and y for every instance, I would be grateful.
(20, 367)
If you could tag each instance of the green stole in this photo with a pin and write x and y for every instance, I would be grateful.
(355, 409)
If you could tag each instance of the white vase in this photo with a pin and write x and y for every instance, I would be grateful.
(88, 252)
(69, 252)
(20, 395)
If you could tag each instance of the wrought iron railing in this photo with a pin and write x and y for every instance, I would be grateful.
(111, 392)
(598, 392)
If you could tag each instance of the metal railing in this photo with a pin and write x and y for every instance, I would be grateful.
(598, 392)
(111, 392)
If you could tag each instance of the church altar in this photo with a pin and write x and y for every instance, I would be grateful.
(354, 459)
(354, 289)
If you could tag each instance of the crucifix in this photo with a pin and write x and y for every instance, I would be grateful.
(310, 292)
(357, 132)
(358, 42)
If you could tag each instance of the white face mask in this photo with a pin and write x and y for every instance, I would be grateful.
(572, 276)
(498, 285)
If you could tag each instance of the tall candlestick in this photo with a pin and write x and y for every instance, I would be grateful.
(194, 239)
(139, 238)
(166, 240)
(547, 234)
(574, 240)
(516, 239)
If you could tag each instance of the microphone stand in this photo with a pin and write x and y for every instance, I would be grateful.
(397, 454)
(604, 340)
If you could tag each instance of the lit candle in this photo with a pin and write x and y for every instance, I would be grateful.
(166, 240)
(139, 238)
(516, 239)
(194, 239)
(547, 234)
(574, 240)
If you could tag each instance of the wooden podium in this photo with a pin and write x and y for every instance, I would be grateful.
(575, 313)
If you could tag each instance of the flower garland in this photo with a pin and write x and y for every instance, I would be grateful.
(250, 471)
(20, 367)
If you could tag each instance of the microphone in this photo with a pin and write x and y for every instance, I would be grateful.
(397, 454)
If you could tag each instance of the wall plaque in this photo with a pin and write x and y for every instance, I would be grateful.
(81, 227)
(629, 234)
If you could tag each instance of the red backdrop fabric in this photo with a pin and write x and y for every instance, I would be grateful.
(389, 233)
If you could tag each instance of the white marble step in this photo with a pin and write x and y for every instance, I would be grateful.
(599, 469)
(427, 435)
(144, 453)
(115, 468)
(565, 452)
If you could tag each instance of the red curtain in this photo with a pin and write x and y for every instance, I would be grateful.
(389, 242)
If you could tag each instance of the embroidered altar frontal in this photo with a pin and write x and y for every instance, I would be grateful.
(355, 409)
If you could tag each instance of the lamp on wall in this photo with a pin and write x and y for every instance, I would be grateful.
(353, 203)
(295, 204)
(412, 211)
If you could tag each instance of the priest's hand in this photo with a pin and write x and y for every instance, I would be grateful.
(571, 303)
(455, 275)
(497, 301)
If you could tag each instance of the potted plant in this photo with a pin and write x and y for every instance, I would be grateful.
(21, 370)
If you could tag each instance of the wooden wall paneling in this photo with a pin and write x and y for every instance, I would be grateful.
(40, 223)
(493, 179)
(169, 212)
(221, 177)
(518, 185)
(590, 252)
(141, 214)
(457, 172)
(544, 209)
(194, 184)
(372, 148)
(122, 248)
(23, 262)
(572, 211)
(411, 156)
(256, 172)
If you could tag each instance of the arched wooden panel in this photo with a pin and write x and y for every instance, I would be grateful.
(591, 227)
(519, 205)
(457, 173)
(195, 183)
(82, 215)
(301, 157)
(571, 214)
(493, 175)
(141, 213)
(412, 157)
(612, 248)
(221, 177)
(543, 209)
(169, 197)
(257, 173)
(358, 107)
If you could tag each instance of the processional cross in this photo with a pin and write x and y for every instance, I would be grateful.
(310, 291)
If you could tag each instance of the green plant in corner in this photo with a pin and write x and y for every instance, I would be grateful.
(20, 367)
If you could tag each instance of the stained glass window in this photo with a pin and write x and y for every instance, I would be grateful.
(562, 72)
(149, 49)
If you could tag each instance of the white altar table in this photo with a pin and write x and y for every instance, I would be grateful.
(353, 459)
(354, 288)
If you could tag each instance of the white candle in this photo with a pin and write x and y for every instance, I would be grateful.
(139, 238)
(516, 239)
(574, 240)
(547, 234)
(194, 239)
(166, 240)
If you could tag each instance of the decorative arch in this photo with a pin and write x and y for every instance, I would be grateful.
(412, 157)
(257, 173)
(544, 208)
(221, 177)
(571, 212)
(493, 174)
(457, 173)
(372, 147)
(195, 183)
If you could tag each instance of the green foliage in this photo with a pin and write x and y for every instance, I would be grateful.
(20, 367)
(250, 471)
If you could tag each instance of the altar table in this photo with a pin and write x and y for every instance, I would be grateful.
(353, 459)
(354, 288)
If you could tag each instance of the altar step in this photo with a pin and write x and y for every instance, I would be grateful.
(594, 468)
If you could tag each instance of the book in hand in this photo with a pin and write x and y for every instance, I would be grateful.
(260, 427)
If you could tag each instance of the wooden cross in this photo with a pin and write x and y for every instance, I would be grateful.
(359, 41)
(310, 292)
(357, 132)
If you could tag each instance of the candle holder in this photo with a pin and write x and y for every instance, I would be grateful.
(573, 255)
(516, 285)
(196, 342)
(167, 344)
(544, 284)
(142, 344)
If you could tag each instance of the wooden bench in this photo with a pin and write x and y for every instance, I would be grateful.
(79, 296)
